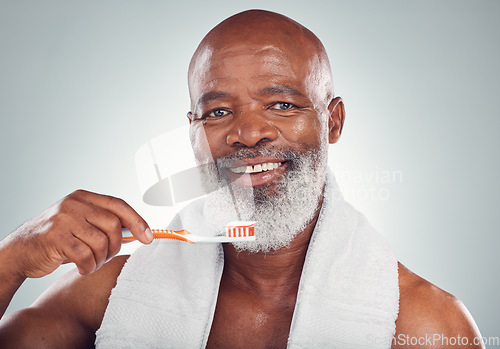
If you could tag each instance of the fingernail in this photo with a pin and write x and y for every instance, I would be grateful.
(149, 234)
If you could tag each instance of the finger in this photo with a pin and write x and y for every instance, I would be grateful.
(95, 239)
(78, 252)
(127, 215)
(109, 224)
(84, 213)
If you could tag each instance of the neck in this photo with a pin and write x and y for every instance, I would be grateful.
(275, 271)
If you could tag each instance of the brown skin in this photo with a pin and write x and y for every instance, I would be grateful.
(426, 309)
(66, 315)
(84, 228)
(257, 291)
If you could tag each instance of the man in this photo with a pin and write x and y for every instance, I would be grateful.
(261, 97)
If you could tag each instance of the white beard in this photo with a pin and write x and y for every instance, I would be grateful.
(282, 210)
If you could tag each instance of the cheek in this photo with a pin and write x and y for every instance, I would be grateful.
(207, 146)
(299, 128)
(200, 144)
(304, 131)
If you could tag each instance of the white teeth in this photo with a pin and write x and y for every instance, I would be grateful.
(257, 168)
(240, 169)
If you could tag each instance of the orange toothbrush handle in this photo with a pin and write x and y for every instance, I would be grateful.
(164, 234)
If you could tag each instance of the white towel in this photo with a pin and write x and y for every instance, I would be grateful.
(348, 294)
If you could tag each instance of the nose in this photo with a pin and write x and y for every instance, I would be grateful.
(249, 129)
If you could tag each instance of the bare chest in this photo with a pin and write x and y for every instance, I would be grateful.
(244, 321)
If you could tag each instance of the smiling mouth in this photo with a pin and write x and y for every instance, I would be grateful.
(263, 167)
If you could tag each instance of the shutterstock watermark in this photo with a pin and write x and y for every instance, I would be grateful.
(373, 185)
(436, 339)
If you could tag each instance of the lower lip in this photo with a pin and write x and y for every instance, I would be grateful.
(256, 179)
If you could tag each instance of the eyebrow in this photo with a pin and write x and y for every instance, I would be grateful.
(281, 89)
(273, 89)
(210, 96)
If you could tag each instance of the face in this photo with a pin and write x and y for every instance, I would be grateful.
(257, 112)
(247, 97)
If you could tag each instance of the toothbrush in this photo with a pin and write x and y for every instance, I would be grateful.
(235, 231)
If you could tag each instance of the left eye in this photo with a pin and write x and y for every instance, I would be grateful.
(282, 106)
(217, 113)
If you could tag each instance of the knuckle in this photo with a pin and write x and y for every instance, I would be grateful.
(59, 219)
(87, 257)
(67, 204)
(139, 221)
(114, 249)
(121, 204)
(114, 223)
(58, 226)
(114, 244)
(79, 193)
(117, 202)
(77, 248)
(101, 241)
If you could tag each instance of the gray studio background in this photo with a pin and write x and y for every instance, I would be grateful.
(85, 84)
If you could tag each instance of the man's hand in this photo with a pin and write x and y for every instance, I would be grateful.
(84, 228)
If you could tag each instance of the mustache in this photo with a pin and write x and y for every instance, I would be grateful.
(263, 151)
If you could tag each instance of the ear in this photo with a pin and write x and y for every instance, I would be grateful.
(336, 119)
(190, 117)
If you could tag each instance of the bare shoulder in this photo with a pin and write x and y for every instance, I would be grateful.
(67, 314)
(430, 317)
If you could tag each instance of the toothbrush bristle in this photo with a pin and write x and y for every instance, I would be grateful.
(237, 231)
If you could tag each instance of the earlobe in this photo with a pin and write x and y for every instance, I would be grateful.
(335, 120)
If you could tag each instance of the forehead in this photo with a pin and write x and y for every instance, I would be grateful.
(260, 65)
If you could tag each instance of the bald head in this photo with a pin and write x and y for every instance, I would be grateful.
(261, 30)
(262, 27)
